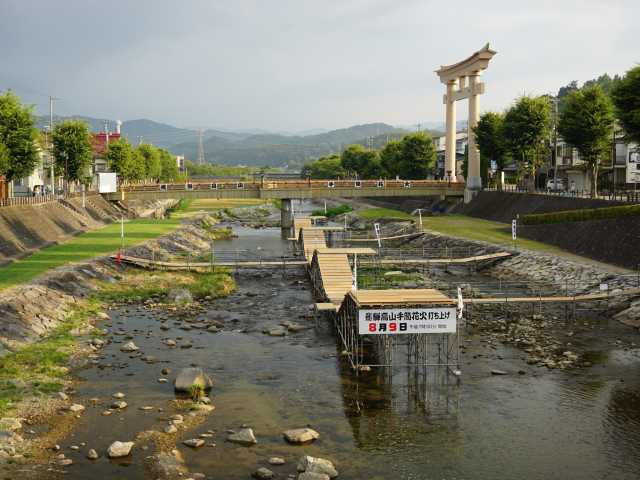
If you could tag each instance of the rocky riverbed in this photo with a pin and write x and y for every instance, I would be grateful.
(284, 404)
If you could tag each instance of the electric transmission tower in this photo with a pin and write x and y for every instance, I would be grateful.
(201, 159)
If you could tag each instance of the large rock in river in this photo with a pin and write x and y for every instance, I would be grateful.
(119, 449)
(179, 295)
(301, 435)
(317, 465)
(187, 377)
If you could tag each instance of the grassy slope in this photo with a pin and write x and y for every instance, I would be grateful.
(83, 247)
(388, 213)
(483, 230)
(105, 240)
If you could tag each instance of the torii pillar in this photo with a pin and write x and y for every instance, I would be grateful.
(463, 81)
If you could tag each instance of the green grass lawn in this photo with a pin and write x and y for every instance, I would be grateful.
(83, 247)
(388, 213)
(483, 230)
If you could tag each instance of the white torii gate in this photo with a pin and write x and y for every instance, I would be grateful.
(458, 88)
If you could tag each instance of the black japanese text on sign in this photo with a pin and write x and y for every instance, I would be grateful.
(410, 320)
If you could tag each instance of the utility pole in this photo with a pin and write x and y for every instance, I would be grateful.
(53, 180)
(201, 159)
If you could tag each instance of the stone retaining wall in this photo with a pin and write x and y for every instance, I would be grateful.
(505, 206)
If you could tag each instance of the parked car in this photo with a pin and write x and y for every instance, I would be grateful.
(555, 184)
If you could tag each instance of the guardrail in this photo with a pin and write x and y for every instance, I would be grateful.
(40, 199)
(624, 196)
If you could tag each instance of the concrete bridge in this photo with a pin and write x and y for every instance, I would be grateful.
(286, 190)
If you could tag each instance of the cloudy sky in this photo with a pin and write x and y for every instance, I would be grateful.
(299, 64)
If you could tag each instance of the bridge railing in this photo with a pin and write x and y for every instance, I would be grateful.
(292, 184)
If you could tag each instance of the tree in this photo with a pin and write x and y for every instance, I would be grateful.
(72, 150)
(18, 135)
(586, 124)
(151, 159)
(390, 158)
(572, 86)
(168, 166)
(490, 140)
(138, 166)
(526, 127)
(626, 98)
(361, 161)
(418, 155)
(325, 167)
(120, 159)
(4, 159)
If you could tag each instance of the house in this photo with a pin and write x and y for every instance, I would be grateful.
(461, 145)
(99, 144)
(180, 163)
(39, 182)
(620, 172)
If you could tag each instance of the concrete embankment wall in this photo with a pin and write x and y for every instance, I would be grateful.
(505, 206)
(26, 228)
(611, 241)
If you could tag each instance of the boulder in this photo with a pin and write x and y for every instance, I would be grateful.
(310, 464)
(76, 408)
(313, 476)
(92, 454)
(119, 449)
(179, 295)
(193, 442)
(129, 347)
(188, 377)
(276, 461)
(263, 474)
(244, 437)
(301, 435)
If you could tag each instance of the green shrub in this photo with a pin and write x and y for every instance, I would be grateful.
(581, 215)
(333, 211)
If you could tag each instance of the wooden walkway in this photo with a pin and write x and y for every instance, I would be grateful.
(585, 297)
(312, 239)
(161, 265)
(337, 279)
(445, 261)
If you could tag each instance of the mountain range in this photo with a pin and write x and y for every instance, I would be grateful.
(246, 147)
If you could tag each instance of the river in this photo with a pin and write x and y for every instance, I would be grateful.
(574, 424)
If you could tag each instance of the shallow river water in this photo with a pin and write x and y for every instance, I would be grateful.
(580, 424)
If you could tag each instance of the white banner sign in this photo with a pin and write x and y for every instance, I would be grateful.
(409, 320)
(633, 167)
(514, 228)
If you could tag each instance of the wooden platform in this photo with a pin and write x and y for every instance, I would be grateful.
(447, 261)
(337, 279)
(161, 265)
(312, 239)
(347, 251)
(587, 297)
(326, 307)
(394, 237)
(397, 297)
(300, 223)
